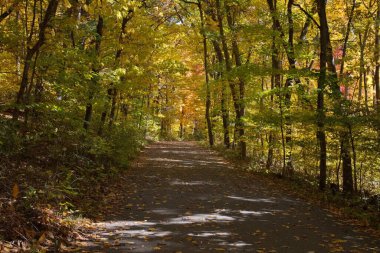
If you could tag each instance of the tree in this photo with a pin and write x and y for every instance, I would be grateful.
(32, 51)
(322, 80)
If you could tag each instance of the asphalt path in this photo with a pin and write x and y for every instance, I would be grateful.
(180, 197)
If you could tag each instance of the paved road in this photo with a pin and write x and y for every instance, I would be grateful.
(183, 198)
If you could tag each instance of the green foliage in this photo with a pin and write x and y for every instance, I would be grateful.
(126, 142)
(118, 148)
(10, 141)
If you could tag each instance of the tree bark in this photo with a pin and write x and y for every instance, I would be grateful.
(289, 50)
(362, 70)
(241, 94)
(377, 58)
(338, 103)
(275, 83)
(31, 52)
(221, 62)
(95, 69)
(223, 103)
(8, 12)
(206, 69)
(111, 92)
(346, 37)
(227, 60)
(321, 135)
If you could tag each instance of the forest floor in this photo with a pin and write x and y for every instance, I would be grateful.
(180, 197)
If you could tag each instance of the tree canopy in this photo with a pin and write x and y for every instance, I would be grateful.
(293, 86)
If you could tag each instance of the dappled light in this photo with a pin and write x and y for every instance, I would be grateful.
(164, 211)
(200, 218)
(252, 199)
(197, 126)
(138, 233)
(235, 244)
(181, 210)
(255, 213)
(179, 182)
(123, 224)
(210, 234)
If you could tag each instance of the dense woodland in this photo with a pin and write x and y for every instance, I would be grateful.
(291, 86)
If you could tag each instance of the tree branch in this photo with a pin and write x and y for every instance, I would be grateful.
(190, 2)
(307, 14)
(5, 14)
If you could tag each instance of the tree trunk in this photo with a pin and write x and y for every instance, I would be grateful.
(354, 159)
(241, 93)
(105, 111)
(227, 59)
(113, 107)
(205, 63)
(112, 92)
(377, 58)
(346, 37)
(221, 62)
(348, 185)
(275, 83)
(321, 135)
(224, 109)
(31, 51)
(362, 70)
(338, 107)
(6, 13)
(289, 50)
(288, 169)
(95, 69)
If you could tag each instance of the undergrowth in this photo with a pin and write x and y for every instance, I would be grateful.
(49, 178)
(355, 208)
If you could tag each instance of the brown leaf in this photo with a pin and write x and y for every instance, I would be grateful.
(15, 191)
(42, 238)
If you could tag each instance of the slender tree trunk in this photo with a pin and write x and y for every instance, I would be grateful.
(275, 83)
(113, 107)
(113, 112)
(307, 24)
(231, 82)
(377, 58)
(346, 37)
(205, 63)
(112, 92)
(6, 13)
(105, 111)
(365, 82)
(348, 185)
(96, 69)
(321, 136)
(354, 159)
(28, 95)
(221, 62)
(288, 167)
(223, 100)
(344, 132)
(241, 93)
(338, 103)
(362, 70)
(31, 52)
(269, 162)
(227, 59)
(289, 50)
(181, 127)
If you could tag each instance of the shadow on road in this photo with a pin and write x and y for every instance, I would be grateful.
(183, 198)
